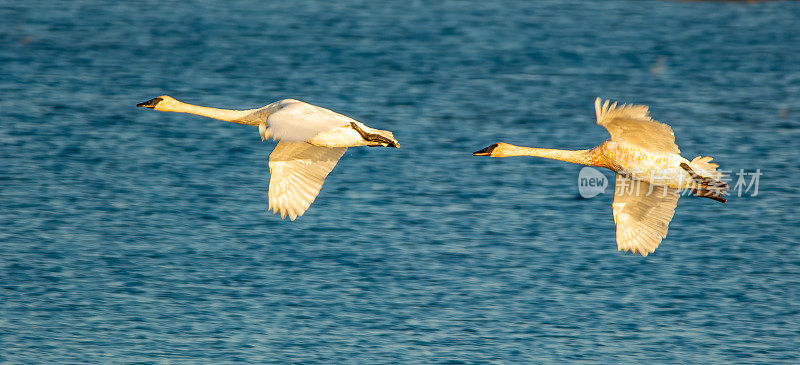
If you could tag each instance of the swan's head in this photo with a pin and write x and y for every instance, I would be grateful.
(495, 150)
(162, 103)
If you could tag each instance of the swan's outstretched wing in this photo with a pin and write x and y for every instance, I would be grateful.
(642, 213)
(297, 172)
(295, 120)
(632, 124)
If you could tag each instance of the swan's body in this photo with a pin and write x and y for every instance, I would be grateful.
(650, 172)
(311, 141)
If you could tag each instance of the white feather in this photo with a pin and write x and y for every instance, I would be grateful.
(642, 213)
(632, 124)
(295, 120)
(297, 172)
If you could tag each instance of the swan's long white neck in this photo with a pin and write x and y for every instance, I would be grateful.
(236, 116)
(249, 117)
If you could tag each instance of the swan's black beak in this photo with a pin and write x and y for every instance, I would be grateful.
(150, 103)
(486, 151)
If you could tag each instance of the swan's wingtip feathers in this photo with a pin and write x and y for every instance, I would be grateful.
(643, 251)
(610, 109)
(597, 106)
(287, 211)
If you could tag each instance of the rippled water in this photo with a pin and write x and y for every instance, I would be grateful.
(129, 235)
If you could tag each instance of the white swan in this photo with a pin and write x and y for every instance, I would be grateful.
(311, 141)
(650, 172)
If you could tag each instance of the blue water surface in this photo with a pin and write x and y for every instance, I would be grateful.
(128, 235)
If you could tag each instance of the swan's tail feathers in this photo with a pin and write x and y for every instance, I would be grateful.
(375, 137)
(708, 182)
(707, 167)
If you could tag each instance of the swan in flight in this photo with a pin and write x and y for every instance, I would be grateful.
(649, 172)
(311, 140)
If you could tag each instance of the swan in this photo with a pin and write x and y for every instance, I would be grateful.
(311, 140)
(649, 172)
